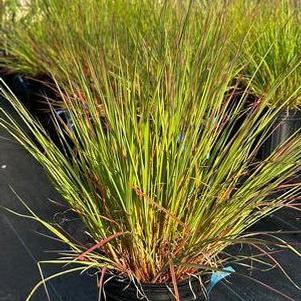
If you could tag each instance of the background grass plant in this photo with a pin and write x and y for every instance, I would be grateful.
(271, 49)
(11, 12)
(160, 181)
(53, 30)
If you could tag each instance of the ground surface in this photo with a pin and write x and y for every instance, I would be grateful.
(21, 247)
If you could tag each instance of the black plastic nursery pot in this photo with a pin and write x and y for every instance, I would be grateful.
(118, 289)
(286, 125)
(237, 96)
(19, 85)
(32, 93)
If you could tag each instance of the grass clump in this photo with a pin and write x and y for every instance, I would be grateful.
(271, 51)
(88, 27)
(159, 180)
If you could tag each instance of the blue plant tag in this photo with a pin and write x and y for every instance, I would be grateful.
(216, 277)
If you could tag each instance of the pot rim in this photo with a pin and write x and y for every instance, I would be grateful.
(193, 279)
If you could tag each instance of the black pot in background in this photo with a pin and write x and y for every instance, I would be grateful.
(238, 96)
(19, 85)
(287, 124)
(119, 290)
(33, 94)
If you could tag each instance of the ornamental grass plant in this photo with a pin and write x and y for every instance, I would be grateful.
(53, 32)
(160, 182)
(272, 50)
(53, 27)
